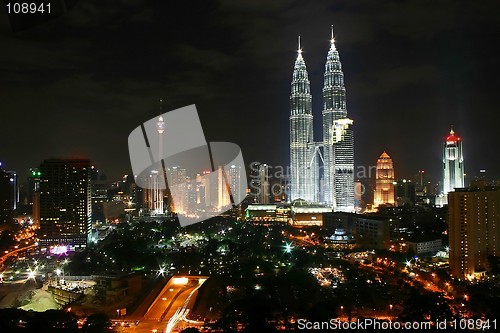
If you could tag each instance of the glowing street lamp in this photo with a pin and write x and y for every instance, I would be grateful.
(31, 275)
(288, 248)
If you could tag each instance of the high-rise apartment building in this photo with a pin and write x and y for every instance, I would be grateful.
(474, 229)
(65, 202)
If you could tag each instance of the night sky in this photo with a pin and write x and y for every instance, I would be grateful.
(79, 84)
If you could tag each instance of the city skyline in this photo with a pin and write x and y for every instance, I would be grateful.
(85, 106)
(280, 183)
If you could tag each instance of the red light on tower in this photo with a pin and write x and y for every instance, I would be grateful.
(452, 138)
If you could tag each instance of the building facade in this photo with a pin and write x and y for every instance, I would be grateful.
(453, 163)
(384, 182)
(264, 184)
(338, 138)
(9, 195)
(321, 171)
(430, 246)
(474, 229)
(304, 170)
(405, 192)
(65, 202)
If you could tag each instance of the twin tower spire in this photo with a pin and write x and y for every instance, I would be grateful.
(321, 172)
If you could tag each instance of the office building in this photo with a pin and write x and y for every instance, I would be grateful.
(384, 182)
(304, 170)
(9, 194)
(321, 171)
(338, 137)
(405, 192)
(264, 184)
(453, 163)
(65, 202)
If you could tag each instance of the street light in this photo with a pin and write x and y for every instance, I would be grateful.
(31, 275)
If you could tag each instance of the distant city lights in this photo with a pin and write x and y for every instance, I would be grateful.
(59, 249)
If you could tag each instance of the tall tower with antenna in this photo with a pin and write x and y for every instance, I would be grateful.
(338, 138)
(303, 167)
(453, 163)
(156, 204)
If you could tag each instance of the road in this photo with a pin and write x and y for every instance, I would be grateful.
(14, 253)
(171, 307)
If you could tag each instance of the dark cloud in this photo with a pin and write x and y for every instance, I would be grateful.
(383, 82)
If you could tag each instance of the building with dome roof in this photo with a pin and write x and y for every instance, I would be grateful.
(340, 240)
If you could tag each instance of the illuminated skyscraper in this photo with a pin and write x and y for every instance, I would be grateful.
(233, 174)
(65, 202)
(155, 193)
(223, 191)
(179, 185)
(33, 194)
(384, 182)
(338, 138)
(264, 184)
(157, 206)
(474, 229)
(304, 173)
(453, 163)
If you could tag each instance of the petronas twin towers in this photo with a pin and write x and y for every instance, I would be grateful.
(321, 172)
